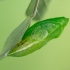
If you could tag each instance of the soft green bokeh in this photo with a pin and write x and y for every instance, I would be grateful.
(54, 56)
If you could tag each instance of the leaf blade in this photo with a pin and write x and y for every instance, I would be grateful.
(42, 7)
(15, 36)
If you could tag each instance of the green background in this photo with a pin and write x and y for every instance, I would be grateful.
(54, 56)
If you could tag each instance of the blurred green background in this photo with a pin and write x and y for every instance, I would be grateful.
(54, 56)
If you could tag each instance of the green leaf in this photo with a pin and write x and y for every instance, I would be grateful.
(15, 36)
(39, 35)
(42, 7)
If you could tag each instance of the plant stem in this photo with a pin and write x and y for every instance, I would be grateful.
(35, 9)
